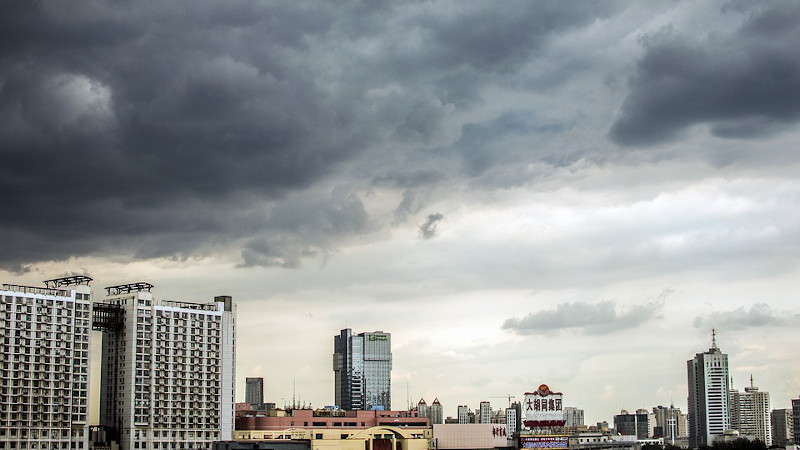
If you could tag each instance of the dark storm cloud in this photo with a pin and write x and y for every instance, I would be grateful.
(430, 228)
(168, 130)
(742, 86)
(758, 315)
(600, 318)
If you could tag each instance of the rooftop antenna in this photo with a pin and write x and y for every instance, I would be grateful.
(714, 339)
(294, 393)
(408, 396)
(751, 380)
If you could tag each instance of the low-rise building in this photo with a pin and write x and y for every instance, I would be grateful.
(470, 436)
(277, 420)
(374, 438)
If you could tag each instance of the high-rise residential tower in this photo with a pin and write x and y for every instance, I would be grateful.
(750, 413)
(362, 367)
(254, 391)
(45, 336)
(167, 378)
(708, 395)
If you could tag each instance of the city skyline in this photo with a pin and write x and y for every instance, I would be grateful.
(521, 193)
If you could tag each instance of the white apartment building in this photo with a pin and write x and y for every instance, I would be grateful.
(44, 364)
(708, 395)
(485, 412)
(573, 417)
(511, 421)
(750, 412)
(167, 369)
(463, 414)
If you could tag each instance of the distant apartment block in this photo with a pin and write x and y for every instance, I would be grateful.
(707, 375)
(512, 420)
(362, 367)
(485, 412)
(254, 391)
(422, 408)
(45, 337)
(463, 414)
(435, 412)
(782, 427)
(167, 377)
(640, 424)
(750, 413)
(796, 419)
(671, 424)
(573, 417)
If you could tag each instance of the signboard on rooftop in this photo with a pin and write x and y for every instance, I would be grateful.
(543, 408)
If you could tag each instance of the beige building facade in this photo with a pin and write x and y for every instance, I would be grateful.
(374, 438)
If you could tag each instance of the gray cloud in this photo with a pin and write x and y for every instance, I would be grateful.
(743, 85)
(430, 228)
(759, 315)
(600, 318)
(114, 119)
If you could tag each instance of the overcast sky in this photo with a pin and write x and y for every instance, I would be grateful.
(570, 193)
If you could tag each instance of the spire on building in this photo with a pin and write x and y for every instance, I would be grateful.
(714, 339)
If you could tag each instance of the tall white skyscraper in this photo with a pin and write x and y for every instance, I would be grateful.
(750, 413)
(362, 367)
(708, 395)
(45, 336)
(167, 369)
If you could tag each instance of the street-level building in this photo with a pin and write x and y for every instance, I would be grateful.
(373, 438)
(472, 436)
(45, 337)
(708, 395)
(167, 378)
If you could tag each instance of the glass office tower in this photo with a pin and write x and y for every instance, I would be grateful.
(362, 366)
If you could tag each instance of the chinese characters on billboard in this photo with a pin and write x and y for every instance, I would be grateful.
(544, 442)
(543, 408)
